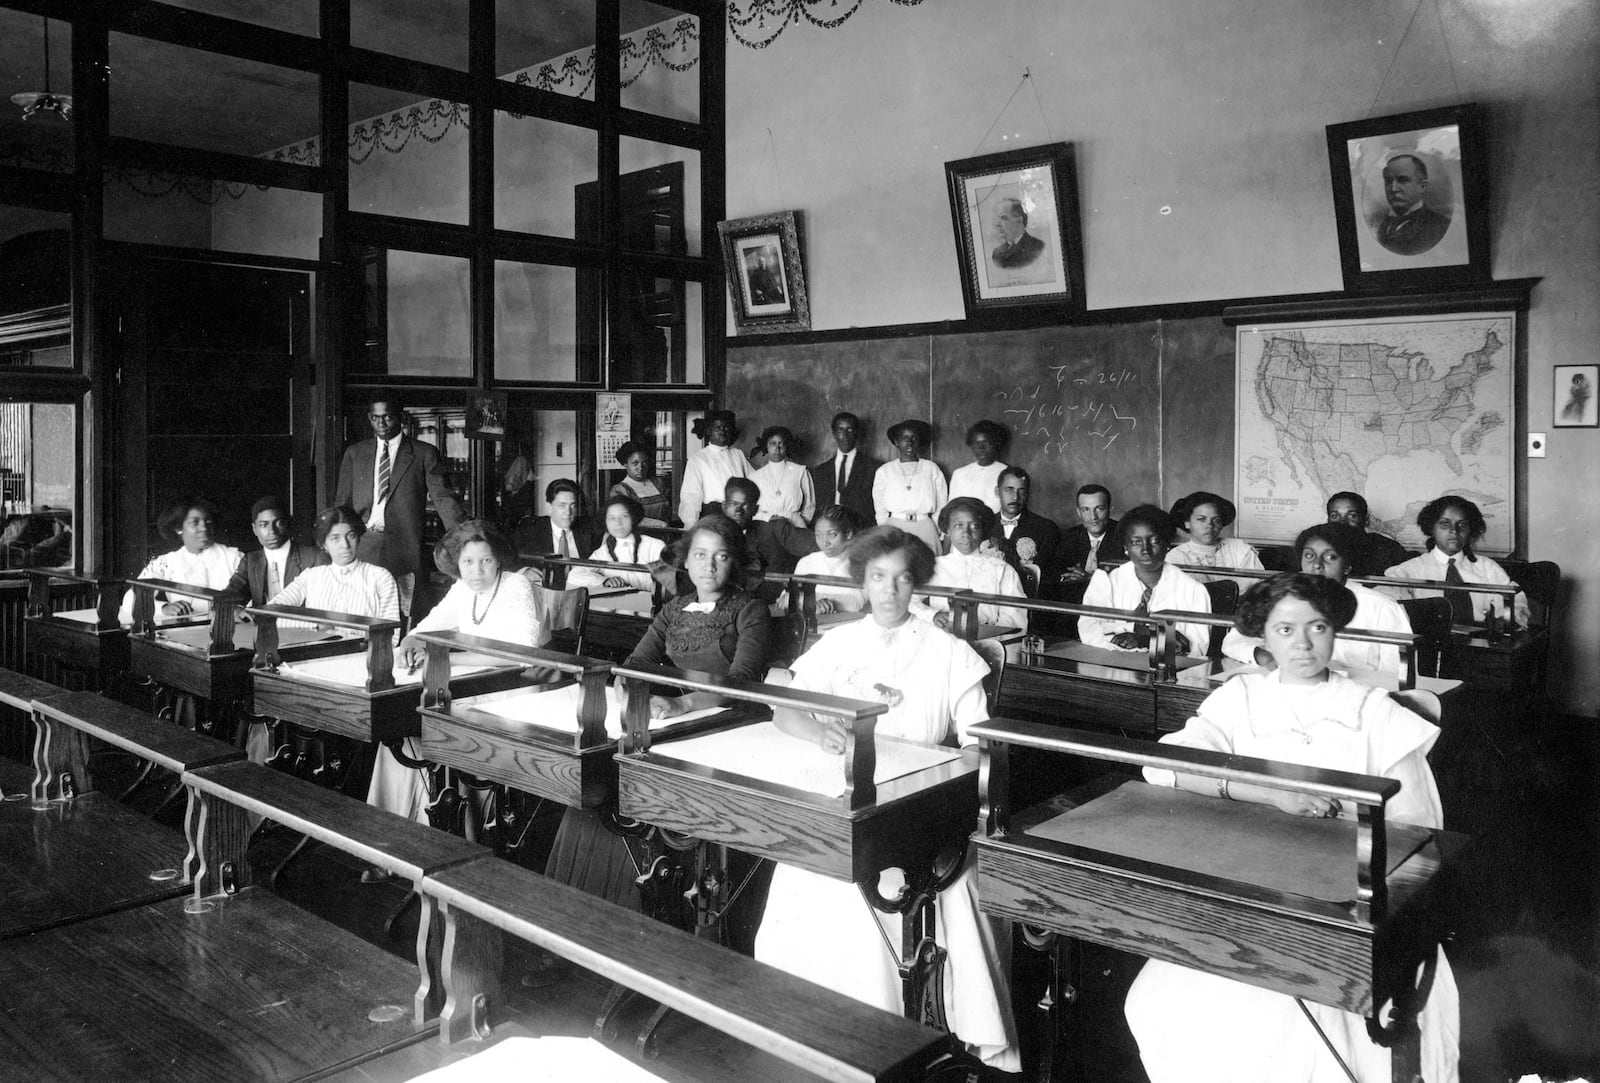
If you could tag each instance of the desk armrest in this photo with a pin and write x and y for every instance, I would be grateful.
(350, 622)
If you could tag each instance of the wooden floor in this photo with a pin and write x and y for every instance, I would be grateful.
(1521, 916)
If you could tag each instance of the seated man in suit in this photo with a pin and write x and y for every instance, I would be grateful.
(261, 574)
(1377, 552)
(562, 532)
(1030, 542)
(845, 478)
(264, 572)
(777, 544)
(1083, 546)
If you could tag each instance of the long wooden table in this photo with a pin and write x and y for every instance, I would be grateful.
(1113, 871)
(88, 641)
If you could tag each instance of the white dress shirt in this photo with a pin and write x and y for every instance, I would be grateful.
(1435, 565)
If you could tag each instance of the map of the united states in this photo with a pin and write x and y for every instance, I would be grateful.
(1400, 410)
(1339, 407)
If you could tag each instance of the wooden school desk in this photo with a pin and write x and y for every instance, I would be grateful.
(884, 803)
(618, 616)
(1318, 909)
(86, 644)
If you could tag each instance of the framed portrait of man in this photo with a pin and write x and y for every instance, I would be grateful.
(1410, 199)
(766, 280)
(1015, 216)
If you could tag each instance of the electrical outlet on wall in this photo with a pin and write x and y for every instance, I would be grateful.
(1536, 445)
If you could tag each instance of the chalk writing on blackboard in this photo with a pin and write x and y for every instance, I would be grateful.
(1062, 410)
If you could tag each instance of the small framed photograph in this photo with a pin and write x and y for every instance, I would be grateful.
(486, 416)
(1575, 406)
(765, 275)
(1410, 199)
(1017, 234)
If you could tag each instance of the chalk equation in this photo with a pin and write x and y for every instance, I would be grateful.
(1064, 410)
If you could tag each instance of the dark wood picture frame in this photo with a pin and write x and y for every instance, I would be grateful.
(1434, 233)
(1032, 193)
(766, 275)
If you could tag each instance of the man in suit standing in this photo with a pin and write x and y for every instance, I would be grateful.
(264, 572)
(388, 481)
(846, 477)
(1030, 542)
(560, 533)
(1085, 545)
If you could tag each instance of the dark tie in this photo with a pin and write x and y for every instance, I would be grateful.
(566, 550)
(1460, 600)
(844, 474)
(383, 473)
(1143, 608)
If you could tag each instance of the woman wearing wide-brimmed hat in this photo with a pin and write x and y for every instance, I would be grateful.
(909, 491)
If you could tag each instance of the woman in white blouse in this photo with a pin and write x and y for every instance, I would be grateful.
(786, 488)
(1204, 516)
(1331, 550)
(346, 584)
(981, 477)
(623, 545)
(1145, 584)
(197, 562)
(706, 473)
(909, 491)
(966, 522)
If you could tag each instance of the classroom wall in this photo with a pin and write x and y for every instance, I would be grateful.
(1203, 174)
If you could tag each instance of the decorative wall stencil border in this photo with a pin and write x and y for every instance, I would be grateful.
(784, 12)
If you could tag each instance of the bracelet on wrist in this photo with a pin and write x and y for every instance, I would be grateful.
(1222, 789)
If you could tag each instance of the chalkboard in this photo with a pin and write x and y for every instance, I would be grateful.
(882, 381)
(1144, 408)
(1083, 405)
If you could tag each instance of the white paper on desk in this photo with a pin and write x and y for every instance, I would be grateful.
(557, 709)
(622, 601)
(351, 669)
(554, 1060)
(244, 636)
(762, 751)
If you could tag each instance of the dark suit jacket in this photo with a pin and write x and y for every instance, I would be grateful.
(1046, 537)
(778, 545)
(1024, 252)
(1414, 233)
(533, 535)
(416, 473)
(857, 494)
(1075, 546)
(250, 581)
(1378, 553)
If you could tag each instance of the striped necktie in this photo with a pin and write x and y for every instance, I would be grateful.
(383, 473)
(274, 580)
(1143, 608)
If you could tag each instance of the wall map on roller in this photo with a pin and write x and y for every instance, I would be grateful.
(1400, 410)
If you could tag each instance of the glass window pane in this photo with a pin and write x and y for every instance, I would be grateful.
(38, 483)
(545, 321)
(434, 32)
(295, 16)
(660, 197)
(44, 140)
(538, 164)
(661, 61)
(35, 289)
(411, 315)
(408, 156)
(549, 46)
(224, 216)
(659, 332)
(222, 103)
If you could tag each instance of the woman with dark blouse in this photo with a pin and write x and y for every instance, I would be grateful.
(719, 628)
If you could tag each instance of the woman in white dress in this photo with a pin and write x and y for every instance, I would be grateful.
(1204, 516)
(836, 525)
(1331, 550)
(909, 491)
(1145, 584)
(346, 584)
(623, 545)
(198, 561)
(786, 488)
(1201, 1028)
(822, 929)
(966, 523)
(706, 473)
(981, 477)
(489, 599)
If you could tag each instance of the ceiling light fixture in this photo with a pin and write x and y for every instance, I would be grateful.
(44, 105)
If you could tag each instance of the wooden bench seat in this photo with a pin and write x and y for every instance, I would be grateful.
(818, 1029)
